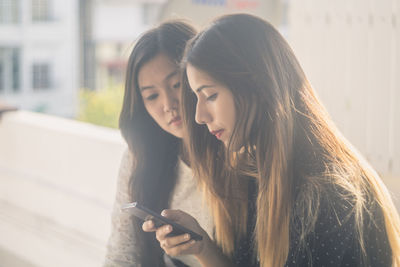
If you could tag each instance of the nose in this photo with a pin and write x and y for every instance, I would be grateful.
(171, 101)
(202, 116)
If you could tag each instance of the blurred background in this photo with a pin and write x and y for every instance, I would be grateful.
(62, 65)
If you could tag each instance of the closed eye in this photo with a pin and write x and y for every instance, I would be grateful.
(177, 85)
(212, 97)
(151, 97)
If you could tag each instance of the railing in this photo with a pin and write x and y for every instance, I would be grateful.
(57, 186)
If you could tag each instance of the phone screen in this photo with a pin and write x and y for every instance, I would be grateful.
(146, 214)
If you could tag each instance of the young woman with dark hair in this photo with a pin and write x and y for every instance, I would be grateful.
(285, 187)
(153, 172)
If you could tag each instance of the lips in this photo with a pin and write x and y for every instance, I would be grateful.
(217, 133)
(176, 121)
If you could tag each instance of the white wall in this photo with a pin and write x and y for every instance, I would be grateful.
(350, 50)
(57, 186)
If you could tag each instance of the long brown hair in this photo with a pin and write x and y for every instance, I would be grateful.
(155, 152)
(291, 145)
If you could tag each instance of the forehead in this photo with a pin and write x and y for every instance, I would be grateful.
(198, 77)
(156, 70)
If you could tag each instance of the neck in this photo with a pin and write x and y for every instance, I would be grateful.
(183, 154)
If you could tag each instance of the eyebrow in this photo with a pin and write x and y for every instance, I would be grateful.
(146, 87)
(198, 90)
(172, 74)
(169, 76)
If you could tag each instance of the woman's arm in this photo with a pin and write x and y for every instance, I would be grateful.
(121, 246)
(206, 251)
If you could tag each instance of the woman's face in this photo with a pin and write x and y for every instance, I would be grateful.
(215, 104)
(159, 85)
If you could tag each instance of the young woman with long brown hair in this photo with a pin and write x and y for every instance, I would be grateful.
(285, 187)
(153, 172)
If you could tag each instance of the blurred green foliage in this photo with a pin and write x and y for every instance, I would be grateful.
(101, 107)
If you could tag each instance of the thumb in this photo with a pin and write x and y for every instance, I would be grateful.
(175, 215)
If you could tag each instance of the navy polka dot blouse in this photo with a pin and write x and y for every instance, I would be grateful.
(333, 241)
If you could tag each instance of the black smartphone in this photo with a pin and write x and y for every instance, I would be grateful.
(146, 214)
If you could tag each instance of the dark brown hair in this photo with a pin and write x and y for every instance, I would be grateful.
(283, 132)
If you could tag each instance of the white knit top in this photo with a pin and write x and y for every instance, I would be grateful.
(121, 247)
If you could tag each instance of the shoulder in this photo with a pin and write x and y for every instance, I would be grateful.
(318, 198)
(321, 207)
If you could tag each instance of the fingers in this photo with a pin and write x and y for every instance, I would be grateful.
(176, 245)
(148, 226)
(162, 232)
(170, 242)
(182, 248)
(175, 215)
(173, 245)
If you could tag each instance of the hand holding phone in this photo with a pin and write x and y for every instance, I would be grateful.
(146, 214)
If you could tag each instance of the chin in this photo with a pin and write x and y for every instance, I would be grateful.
(177, 134)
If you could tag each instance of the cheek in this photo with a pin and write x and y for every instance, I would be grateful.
(176, 93)
(154, 111)
(227, 112)
(231, 118)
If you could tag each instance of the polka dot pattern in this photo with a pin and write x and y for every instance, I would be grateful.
(333, 242)
(334, 239)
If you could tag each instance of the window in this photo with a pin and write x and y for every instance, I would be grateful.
(41, 76)
(40, 10)
(9, 11)
(10, 66)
